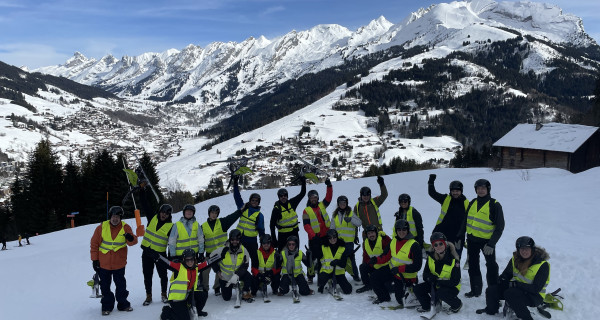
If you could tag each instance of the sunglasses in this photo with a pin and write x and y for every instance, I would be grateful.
(438, 244)
(283, 195)
(189, 259)
(402, 229)
(403, 201)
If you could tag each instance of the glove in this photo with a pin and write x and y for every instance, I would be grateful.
(379, 180)
(235, 178)
(355, 240)
(328, 182)
(200, 257)
(129, 237)
(458, 244)
(234, 279)
(488, 250)
(373, 261)
(395, 271)
(347, 219)
(302, 179)
(513, 284)
(431, 178)
(96, 265)
(431, 278)
(245, 207)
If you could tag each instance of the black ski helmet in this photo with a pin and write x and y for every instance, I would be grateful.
(293, 239)
(282, 192)
(188, 253)
(235, 234)
(437, 236)
(214, 207)
(332, 233)
(401, 224)
(370, 228)
(313, 193)
(456, 185)
(365, 191)
(115, 210)
(483, 182)
(404, 197)
(342, 198)
(265, 239)
(190, 207)
(524, 241)
(166, 208)
(255, 196)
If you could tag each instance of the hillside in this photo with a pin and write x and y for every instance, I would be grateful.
(528, 197)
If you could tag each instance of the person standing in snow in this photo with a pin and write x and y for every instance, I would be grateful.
(186, 234)
(156, 239)
(453, 212)
(316, 223)
(367, 208)
(284, 217)
(441, 274)
(185, 286)
(252, 221)
(412, 215)
(484, 225)
(523, 282)
(108, 251)
(345, 222)
(233, 267)
(215, 235)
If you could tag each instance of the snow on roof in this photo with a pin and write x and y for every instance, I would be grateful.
(552, 136)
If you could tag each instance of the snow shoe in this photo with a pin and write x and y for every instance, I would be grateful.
(105, 312)
(148, 299)
(163, 297)
(363, 289)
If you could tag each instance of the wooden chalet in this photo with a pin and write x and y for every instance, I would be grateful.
(567, 146)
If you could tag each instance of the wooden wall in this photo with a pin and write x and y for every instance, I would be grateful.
(518, 158)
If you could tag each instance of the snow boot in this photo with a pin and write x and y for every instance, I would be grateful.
(217, 291)
(364, 288)
(472, 294)
(457, 309)
(105, 312)
(163, 297)
(148, 299)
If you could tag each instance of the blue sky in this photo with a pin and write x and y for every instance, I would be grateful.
(38, 33)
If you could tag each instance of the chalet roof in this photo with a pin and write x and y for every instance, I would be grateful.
(552, 136)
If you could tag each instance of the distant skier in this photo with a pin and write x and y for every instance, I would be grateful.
(523, 282)
(20, 238)
(441, 277)
(284, 217)
(3, 242)
(27, 237)
(108, 251)
(453, 212)
(367, 208)
(345, 222)
(316, 223)
(413, 216)
(484, 225)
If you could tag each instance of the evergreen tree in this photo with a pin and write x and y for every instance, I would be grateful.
(71, 191)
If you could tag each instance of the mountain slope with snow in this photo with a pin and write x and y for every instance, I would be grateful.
(555, 207)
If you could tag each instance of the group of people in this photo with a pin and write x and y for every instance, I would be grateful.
(254, 260)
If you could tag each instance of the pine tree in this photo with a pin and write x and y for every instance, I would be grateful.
(71, 191)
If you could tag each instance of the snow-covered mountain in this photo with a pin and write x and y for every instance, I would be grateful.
(227, 71)
(48, 278)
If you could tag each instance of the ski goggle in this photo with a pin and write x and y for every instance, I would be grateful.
(189, 259)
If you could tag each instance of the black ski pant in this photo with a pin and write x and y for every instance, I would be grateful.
(121, 293)
(314, 245)
(206, 279)
(340, 279)
(381, 279)
(286, 281)
(475, 247)
(366, 272)
(227, 292)
(252, 247)
(448, 295)
(148, 271)
(180, 310)
(283, 236)
(259, 279)
(349, 247)
(517, 299)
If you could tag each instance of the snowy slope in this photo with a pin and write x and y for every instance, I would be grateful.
(47, 279)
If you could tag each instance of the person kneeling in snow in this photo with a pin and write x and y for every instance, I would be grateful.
(233, 267)
(186, 287)
(523, 282)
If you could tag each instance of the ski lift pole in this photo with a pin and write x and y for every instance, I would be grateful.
(139, 231)
(146, 177)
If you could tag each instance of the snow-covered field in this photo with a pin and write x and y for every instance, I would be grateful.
(558, 209)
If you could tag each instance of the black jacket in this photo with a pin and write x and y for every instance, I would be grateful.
(496, 216)
(454, 218)
(540, 278)
(276, 212)
(400, 214)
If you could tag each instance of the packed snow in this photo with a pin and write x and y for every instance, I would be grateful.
(555, 207)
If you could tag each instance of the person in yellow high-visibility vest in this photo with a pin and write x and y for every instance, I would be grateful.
(441, 277)
(316, 224)
(367, 207)
(333, 261)
(412, 215)
(523, 282)
(484, 225)
(345, 222)
(376, 247)
(108, 250)
(284, 217)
